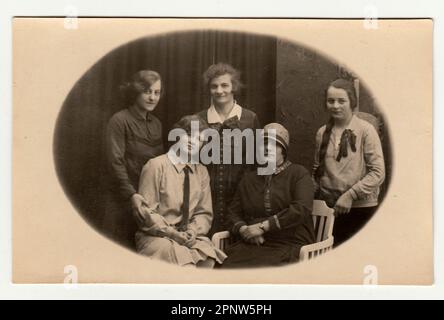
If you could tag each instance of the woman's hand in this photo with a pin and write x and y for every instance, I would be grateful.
(259, 240)
(137, 203)
(248, 232)
(180, 237)
(343, 204)
(191, 238)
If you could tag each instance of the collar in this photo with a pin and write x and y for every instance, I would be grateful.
(213, 116)
(282, 167)
(278, 170)
(177, 164)
(138, 116)
(353, 123)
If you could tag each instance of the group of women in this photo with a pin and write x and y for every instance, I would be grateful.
(177, 206)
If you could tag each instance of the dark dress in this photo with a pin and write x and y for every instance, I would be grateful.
(286, 201)
(132, 140)
(224, 178)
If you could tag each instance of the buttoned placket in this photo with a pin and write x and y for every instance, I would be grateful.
(267, 194)
(147, 121)
(221, 197)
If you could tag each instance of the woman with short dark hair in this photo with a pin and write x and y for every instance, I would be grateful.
(134, 136)
(349, 163)
(178, 212)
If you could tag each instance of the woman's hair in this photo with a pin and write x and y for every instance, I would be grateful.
(220, 69)
(185, 123)
(280, 144)
(140, 82)
(349, 88)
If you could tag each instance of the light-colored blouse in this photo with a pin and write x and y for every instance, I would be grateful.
(361, 173)
(161, 184)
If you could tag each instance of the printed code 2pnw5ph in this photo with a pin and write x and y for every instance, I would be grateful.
(222, 309)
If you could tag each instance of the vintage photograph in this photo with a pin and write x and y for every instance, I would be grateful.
(332, 149)
(196, 145)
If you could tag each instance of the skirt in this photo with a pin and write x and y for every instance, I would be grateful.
(347, 225)
(270, 253)
(168, 250)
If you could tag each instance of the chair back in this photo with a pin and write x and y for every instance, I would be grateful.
(375, 122)
(323, 220)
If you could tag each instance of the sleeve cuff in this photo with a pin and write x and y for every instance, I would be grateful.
(237, 226)
(128, 193)
(353, 194)
(193, 227)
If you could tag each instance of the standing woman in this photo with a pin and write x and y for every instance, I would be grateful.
(223, 82)
(134, 136)
(349, 164)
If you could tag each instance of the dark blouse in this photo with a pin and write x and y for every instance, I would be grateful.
(132, 141)
(224, 178)
(285, 200)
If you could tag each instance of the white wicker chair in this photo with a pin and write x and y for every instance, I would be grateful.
(323, 219)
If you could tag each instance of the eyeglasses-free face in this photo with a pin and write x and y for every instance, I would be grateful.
(148, 100)
(338, 104)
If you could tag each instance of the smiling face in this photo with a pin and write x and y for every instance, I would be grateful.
(221, 90)
(338, 104)
(148, 99)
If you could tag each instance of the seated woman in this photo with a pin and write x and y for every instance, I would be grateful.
(271, 213)
(349, 164)
(179, 212)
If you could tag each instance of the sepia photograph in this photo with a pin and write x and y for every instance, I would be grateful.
(279, 151)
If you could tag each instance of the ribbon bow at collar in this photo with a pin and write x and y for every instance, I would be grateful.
(347, 138)
(230, 123)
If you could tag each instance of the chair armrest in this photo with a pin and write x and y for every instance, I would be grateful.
(315, 249)
(219, 238)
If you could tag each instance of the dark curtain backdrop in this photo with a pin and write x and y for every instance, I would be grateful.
(181, 59)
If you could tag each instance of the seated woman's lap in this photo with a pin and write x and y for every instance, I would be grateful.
(155, 247)
(242, 254)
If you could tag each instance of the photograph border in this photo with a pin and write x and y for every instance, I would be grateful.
(197, 290)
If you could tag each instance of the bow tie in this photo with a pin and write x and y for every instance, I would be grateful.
(230, 123)
(347, 138)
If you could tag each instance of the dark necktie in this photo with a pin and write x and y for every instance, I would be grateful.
(185, 209)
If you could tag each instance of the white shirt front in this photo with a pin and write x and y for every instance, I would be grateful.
(214, 117)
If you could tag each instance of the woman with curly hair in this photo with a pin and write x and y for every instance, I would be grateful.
(223, 83)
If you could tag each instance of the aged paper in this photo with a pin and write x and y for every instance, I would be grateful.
(50, 237)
